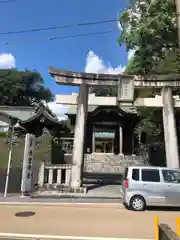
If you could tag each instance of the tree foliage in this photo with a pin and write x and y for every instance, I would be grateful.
(22, 88)
(150, 29)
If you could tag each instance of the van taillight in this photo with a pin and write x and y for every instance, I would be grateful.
(126, 183)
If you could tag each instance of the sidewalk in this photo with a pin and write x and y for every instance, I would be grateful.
(60, 201)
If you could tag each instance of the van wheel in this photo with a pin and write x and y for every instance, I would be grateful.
(137, 203)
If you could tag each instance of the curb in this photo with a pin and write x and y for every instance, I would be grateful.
(38, 236)
(73, 197)
(63, 204)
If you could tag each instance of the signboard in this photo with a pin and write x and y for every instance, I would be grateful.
(104, 134)
(29, 149)
(106, 123)
(126, 90)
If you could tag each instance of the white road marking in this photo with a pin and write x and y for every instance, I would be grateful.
(120, 205)
(38, 236)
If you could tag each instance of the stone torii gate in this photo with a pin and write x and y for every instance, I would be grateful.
(126, 84)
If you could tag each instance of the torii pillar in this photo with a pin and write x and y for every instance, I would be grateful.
(79, 136)
(170, 132)
(76, 79)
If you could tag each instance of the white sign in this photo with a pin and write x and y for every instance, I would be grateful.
(29, 151)
(126, 90)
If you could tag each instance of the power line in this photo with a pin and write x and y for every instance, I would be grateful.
(55, 38)
(59, 27)
(7, 1)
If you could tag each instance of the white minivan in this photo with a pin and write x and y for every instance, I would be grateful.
(150, 186)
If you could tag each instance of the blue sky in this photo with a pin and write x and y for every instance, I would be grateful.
(68, 53)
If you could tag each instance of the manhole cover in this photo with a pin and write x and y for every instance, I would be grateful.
(25, 214)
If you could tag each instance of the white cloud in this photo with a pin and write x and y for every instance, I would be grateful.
(95, 64)
(58, 109)
(131, 54)
(118, 21)
(7, 61)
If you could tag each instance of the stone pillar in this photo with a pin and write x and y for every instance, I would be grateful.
(133, 143)
(27, 170)
(79, 137)
(93, 140)
(170, 133)
(120, 140)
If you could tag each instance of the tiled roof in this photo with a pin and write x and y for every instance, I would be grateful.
(22, 113)
(72, 109)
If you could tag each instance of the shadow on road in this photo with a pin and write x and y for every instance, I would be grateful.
(165, 209)
(99, 180)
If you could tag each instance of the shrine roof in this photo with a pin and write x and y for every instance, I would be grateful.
(42, 114)
(72, 109)
(21, 113)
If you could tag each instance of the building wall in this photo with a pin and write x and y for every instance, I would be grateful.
(107, 163)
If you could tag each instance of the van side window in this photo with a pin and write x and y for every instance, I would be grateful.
(150, 175)
(171, 176)
(135, 174)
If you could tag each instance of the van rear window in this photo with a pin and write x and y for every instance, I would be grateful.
(125, 173)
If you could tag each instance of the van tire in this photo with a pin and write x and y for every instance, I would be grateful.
(137, 203)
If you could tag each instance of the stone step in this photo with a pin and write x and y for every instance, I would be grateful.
(107, 163)
(107, 168)
(115, 162)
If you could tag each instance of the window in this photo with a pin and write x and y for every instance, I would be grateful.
(125, 173)
(135, 174)
(67, 145)
(171, 176)
(103, 140)
(150, 175)
(104, 146)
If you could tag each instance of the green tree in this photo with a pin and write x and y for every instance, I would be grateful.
(22, 88)
(149, 28)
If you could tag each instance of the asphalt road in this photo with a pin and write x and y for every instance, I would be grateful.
(81, 220)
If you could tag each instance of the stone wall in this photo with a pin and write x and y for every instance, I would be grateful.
(107, 163)
(166, 233)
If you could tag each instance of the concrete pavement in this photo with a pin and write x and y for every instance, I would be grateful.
(80, 221)
(99, 191)
(57, 201)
